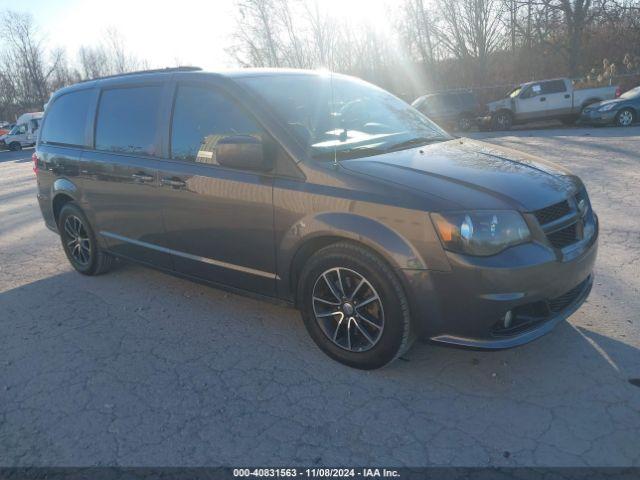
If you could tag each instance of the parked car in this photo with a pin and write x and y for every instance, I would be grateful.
(622, 111)
(5, 128)
(546, 100)
(24, 133)
(322, 191)
(458, 109)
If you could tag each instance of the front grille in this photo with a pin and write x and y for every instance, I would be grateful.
(563, 301)
(552, 212)
(564, 237)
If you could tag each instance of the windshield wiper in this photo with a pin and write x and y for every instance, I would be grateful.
(349, 153)
(414, 142)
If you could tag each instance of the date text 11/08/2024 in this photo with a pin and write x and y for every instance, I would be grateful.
(316, 472)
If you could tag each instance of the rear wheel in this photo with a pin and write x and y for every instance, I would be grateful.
(79, 242)
(625, 117)
(354, 306)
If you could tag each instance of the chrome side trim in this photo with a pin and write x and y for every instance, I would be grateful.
(210, 261)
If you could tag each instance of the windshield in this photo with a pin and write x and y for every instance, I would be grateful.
(634, 92)
(340, 117)
(515, 92)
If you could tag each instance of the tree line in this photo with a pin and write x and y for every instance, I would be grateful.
(30, 71)
(446, 44)
(432, 45)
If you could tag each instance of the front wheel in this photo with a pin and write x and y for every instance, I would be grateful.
(354, 306)
(502, 120)
(15, 146)
(79, 242)
(465, 123)
(625, 117)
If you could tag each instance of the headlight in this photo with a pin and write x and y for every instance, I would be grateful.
(607, 107)
(480, 233)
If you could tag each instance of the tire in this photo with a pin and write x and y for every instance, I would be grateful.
(15, 146)
(79, 242)
(367, 335)
(502, 120)
(625, 117)
(464, 124)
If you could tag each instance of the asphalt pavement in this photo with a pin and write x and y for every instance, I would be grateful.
(141, 368)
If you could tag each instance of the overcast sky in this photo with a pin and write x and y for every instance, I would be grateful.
(188, 32)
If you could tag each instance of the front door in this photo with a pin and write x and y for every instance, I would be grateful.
(531, 104)
(219, 221)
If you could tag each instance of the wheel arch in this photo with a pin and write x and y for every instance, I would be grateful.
(310, 234)
(63, 192)
(633, 109)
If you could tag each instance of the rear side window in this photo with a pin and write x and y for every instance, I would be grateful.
(127, 120)
(67, 119)
(554, 86)
(201, 118)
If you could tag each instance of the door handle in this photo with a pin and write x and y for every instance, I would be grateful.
(142, 177)
(567, 95)
(173, 182)
(543, 99)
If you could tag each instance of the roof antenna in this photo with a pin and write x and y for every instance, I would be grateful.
(335, 151)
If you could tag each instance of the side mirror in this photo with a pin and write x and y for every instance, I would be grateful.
(243, 152)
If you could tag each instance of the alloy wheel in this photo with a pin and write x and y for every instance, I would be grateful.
(625, 118)
(348, 309)
(77, 240)
(464, 124)
(504, 121)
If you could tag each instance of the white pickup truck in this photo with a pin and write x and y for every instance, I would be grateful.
(545, 99)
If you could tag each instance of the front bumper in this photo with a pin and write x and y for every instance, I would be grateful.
(594, 117)
(466, 306)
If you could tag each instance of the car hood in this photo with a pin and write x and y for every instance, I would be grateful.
(499, 104)
(614, 101)
(472, 174)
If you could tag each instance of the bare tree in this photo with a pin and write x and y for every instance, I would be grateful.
(256, 36)
(577, 16)
(472, 30)
(24, 60)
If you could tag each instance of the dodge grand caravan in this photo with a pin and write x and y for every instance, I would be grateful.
(325, 192)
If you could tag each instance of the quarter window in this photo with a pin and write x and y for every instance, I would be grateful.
(67, 119)
(127, 120)
(201, 118)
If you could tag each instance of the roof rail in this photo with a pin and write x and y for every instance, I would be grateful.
(154, 70)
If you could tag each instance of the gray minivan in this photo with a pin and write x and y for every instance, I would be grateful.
(322, 191)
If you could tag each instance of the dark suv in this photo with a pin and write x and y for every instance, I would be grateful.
(457, 109)
(323, 191)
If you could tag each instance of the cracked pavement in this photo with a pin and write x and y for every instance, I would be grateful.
(141, 368)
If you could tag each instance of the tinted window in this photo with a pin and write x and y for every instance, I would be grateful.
(555, 86)
(467, 100)
(67, 118)
(202, 117)
(127, 120)
(531, 91)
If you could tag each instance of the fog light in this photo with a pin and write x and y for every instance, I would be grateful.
(508, 317)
